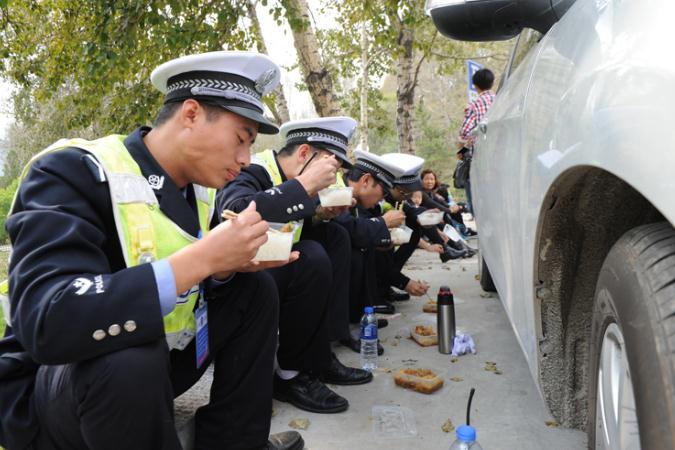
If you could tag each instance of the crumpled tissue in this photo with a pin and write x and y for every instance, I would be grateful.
(463, 344)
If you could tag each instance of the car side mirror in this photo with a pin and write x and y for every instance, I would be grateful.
(493, 20)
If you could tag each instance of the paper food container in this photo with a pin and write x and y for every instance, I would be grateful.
(278, 245)
(429, 218)
(424, 334)
(430, 307)
(335, 196)
(400, 235)
(421, 380)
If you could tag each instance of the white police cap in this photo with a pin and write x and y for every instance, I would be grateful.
(328, 133)
(383, 170)
(410, 166)
(235, 81)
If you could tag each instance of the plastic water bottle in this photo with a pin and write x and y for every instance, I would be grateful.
(466, 439)
(369, 340)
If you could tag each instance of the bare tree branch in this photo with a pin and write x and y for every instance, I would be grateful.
(419, 64)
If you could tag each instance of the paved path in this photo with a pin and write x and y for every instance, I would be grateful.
(507, 409)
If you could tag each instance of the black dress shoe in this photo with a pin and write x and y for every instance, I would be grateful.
(355, 345)
(287, 440)
(382, 323)
(450, 253)
(308, 393)
(469, 251)
(340, 374)
(385, 308)
(398, 296)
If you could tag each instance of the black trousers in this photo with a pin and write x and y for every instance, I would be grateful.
(335, 239)
(124, 400)
(389, 264)
(431, 233)
(362, 283)
(304, 288)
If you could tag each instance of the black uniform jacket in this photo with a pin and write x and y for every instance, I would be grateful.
(431, 201)
(366, 228)
(283, 203)
(411, 211)
(68, 277)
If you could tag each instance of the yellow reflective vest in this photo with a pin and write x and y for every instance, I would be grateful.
(145, 233)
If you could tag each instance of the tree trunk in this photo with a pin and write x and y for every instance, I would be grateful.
(406, 80)
(317, 77)
(276, 102)
(364, 87)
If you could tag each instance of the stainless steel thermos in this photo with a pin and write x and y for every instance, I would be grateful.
(445, 320)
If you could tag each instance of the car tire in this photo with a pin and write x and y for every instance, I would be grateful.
(484, 275)
(633, 343)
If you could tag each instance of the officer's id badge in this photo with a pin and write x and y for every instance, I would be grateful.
(202, 338)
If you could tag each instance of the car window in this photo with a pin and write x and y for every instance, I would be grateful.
(527, 39)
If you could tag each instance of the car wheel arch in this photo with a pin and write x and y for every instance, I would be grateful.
(585, 211)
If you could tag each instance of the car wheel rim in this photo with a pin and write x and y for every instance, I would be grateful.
(616, 424)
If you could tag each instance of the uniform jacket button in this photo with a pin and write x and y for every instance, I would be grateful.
(295, 208)
(114, 329)
(130, 326)
(301, 206)
(289, 211)
(98, 335)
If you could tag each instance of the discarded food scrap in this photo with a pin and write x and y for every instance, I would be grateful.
(299, 424)
(448, 426)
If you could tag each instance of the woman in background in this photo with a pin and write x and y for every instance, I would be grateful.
(433, 199)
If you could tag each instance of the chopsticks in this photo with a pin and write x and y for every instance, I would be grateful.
(229, 214)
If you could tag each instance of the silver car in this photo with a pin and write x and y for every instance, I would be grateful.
(574, 192)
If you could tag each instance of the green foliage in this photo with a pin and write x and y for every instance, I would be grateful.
(4, 263)
(92, 60)
(6, 197)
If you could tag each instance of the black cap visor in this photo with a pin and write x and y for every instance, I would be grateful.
(410, 187)
(264, 125)
(344, 161)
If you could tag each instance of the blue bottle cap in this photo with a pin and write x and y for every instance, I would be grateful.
(466, 433)
(369, 310)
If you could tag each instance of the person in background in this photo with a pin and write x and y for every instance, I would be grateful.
(432, 200)
(445, 202)
(415, 201)
(390, 261)
(474, 114)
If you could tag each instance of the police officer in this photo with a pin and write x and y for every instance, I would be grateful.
(313, 291)
(391, 261)
(370, 178)
(121, 292)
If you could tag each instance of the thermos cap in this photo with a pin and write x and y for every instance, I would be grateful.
(445, 297)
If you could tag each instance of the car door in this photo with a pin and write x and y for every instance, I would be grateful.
(496, 175)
